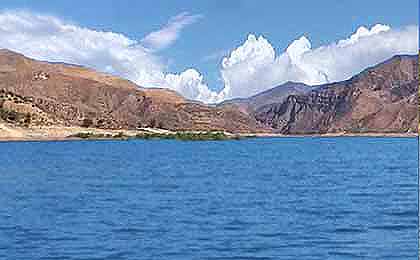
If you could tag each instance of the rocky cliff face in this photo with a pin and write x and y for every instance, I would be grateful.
(381, 99)
(75, 96)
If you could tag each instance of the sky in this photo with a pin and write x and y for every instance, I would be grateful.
(212, 50)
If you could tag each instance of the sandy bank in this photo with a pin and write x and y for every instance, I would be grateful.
(61, 133)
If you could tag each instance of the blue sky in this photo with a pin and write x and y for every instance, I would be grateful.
(224, 25)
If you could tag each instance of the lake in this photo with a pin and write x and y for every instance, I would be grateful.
(269, 198)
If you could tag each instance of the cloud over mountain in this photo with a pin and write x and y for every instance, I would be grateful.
(254, 67)
(250, 68)
(49, 38)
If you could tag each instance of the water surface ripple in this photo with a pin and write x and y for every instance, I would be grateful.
(294, 198)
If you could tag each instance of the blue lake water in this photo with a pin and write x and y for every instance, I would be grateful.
(290, 198)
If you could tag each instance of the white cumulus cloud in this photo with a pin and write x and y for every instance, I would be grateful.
(250, 68)
(254, 66)
(190, 84)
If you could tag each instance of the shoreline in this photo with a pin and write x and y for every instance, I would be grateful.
(59, 133)
(72, 139)
(372, 134)
(231, 137)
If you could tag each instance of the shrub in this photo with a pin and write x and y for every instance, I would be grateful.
(87, 122)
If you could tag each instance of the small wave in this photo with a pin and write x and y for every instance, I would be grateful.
(349, 230)
(394, 227)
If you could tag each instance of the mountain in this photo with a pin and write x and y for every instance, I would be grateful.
(41, 93)
(272, 96)
(381, 99)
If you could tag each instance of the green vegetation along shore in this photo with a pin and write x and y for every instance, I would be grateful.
(182, 136)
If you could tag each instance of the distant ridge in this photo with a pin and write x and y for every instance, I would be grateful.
(274, 95)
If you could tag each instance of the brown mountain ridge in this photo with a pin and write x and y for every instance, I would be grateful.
(70, 95)
(382, 99)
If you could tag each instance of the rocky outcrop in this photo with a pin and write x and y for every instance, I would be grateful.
(381, 99)
(75, 96)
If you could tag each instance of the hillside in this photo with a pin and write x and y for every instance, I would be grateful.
(381, 99)
(60, 94)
